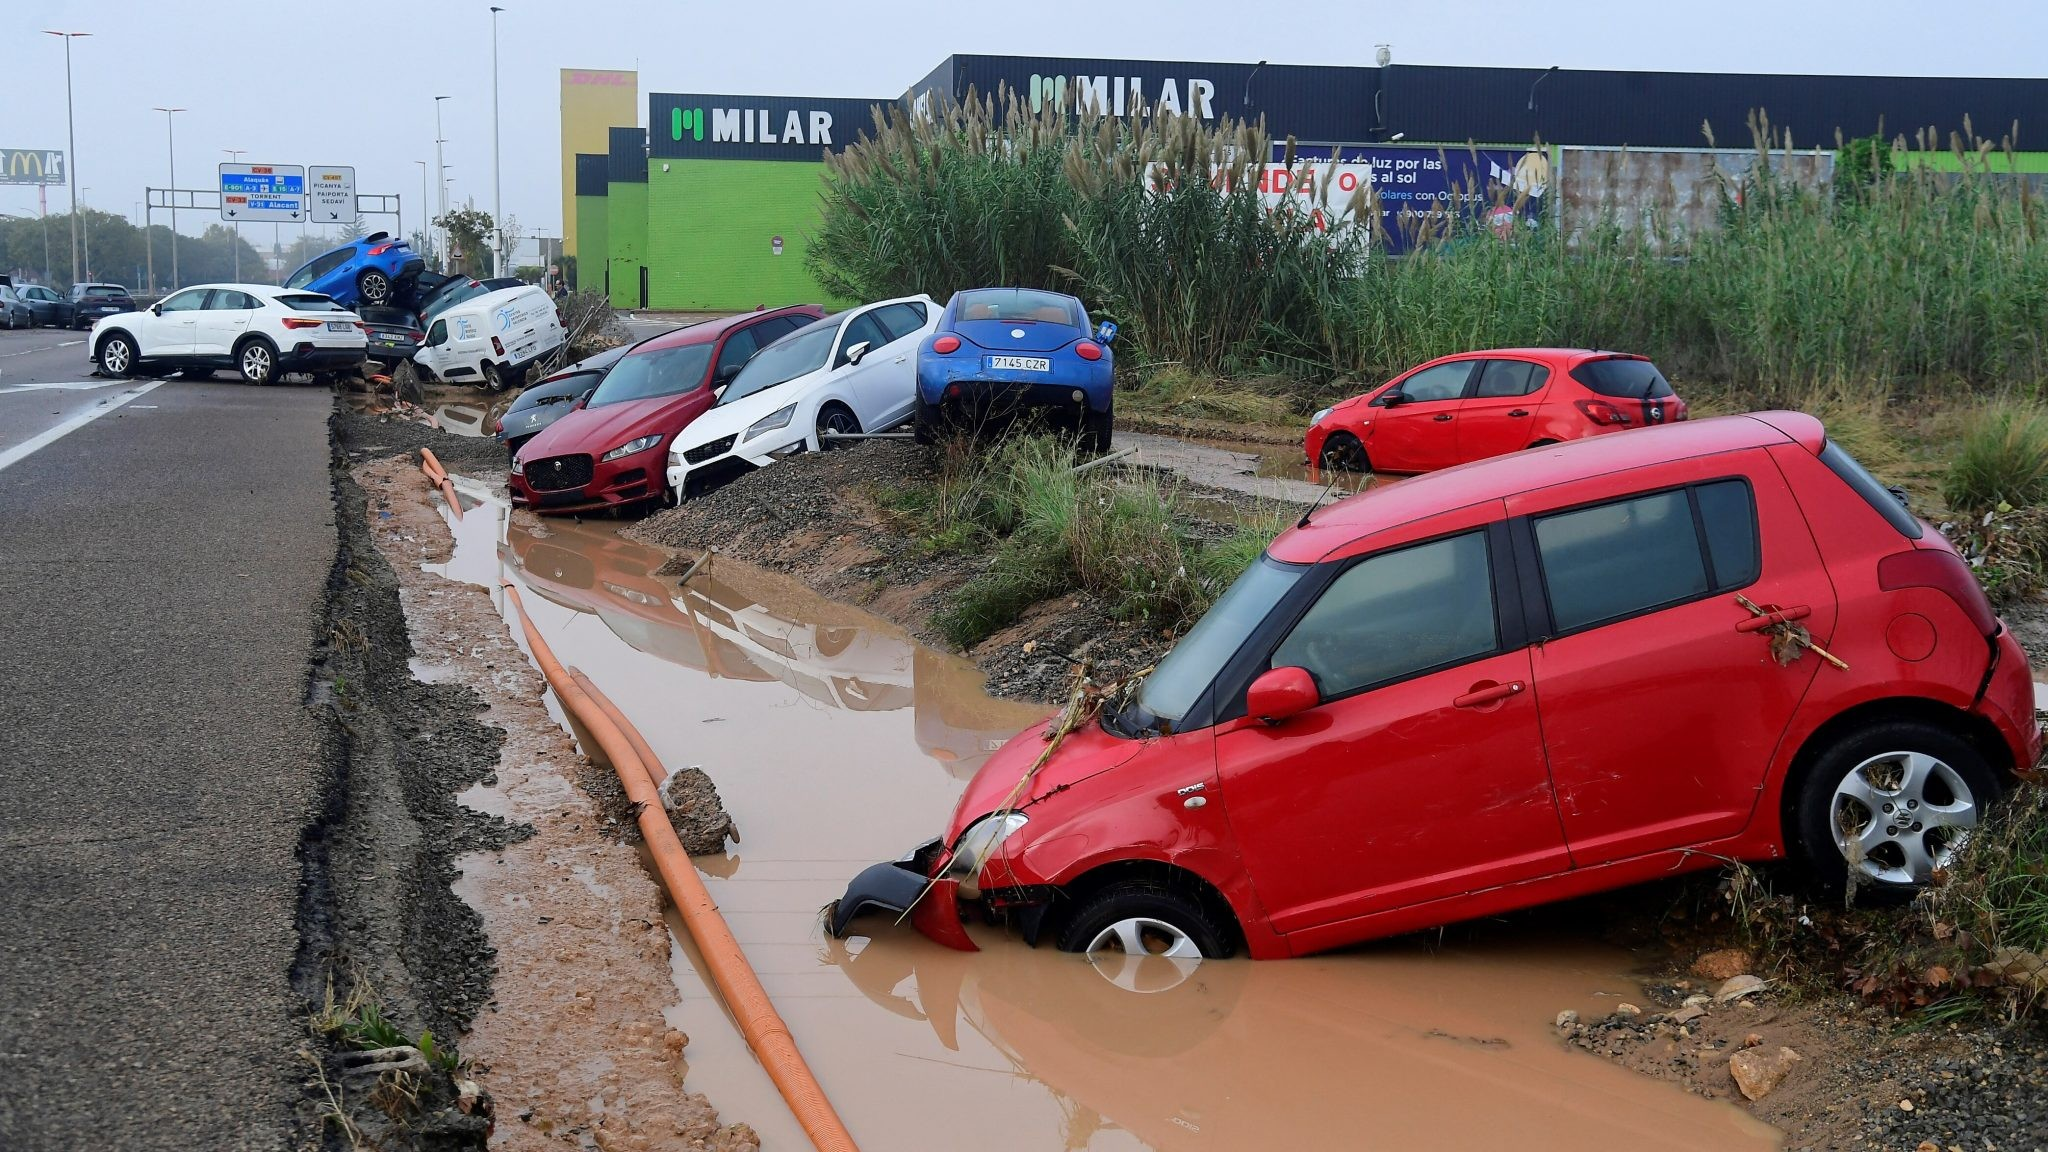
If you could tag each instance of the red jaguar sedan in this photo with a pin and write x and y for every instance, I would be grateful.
(1479, 404)
(612, 451)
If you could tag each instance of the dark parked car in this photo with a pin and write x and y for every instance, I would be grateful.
(394, 334)
(90, 302)
(14, 311)
(51, 310)
(553, 398)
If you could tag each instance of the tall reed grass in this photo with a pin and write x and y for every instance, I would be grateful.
(1921, 277)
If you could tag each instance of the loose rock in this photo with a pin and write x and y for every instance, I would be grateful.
(701, 821)
(1736, 987)
(1724, 964)
(1757, 1072)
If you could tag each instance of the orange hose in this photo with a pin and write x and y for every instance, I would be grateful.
(448, 491)
(648, 759)
(431, 465)
(762, 1026)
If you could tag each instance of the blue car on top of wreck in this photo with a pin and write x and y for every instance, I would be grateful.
(999, 351)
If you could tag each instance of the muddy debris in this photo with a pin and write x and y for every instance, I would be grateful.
(1724, 964)
(700, 818)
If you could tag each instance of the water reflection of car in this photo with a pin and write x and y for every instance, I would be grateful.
(1238, 1056)
(957, 723)
(858, 669)
(614, 579)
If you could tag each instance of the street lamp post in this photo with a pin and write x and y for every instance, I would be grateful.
(71, 142)
(440, 181)
(497, 191)
(85, 230)
(426, 230)
(171, 137)
(235, 157)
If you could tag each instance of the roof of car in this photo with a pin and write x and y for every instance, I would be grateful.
(1392, 505)
(706, 331)
(1543, 353)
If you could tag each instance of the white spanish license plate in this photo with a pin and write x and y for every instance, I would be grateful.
(340, 326)
(1020, 363)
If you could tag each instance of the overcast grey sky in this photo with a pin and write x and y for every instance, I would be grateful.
(352, 81)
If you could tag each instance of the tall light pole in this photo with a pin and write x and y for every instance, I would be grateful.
(86, 232)
(425, 231)
(71, 142)
(235, 157)
(497, 192)
(440, 181)
(171, 136)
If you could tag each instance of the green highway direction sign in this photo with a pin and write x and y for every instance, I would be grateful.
(31, 166)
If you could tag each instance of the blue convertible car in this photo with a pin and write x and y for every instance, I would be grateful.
(373, 270)
(997, 351)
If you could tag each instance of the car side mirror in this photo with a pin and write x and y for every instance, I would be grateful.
(725, 375)
(1393, 400)
(1106, 332)
(1280, 693)
(156, 309)
(857, 351)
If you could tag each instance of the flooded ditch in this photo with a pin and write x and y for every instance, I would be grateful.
(836, 741)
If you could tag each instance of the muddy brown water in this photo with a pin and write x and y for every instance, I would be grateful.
(836, 742)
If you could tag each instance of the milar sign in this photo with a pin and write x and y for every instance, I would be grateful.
(752, 127)
(1123, 95)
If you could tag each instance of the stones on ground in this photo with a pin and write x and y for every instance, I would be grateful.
(1757, 1072)
(1723, 964)
(1685, 1015)
(1752, 1040)
(1627, 1009)
(1566, 1019)
(1736, 987)
(701, 821)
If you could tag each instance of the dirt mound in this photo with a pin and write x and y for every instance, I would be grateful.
(371, 435)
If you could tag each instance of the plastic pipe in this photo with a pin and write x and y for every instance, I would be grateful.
(648, 760)
(431, 465)
(762, 1026)
(448, 492)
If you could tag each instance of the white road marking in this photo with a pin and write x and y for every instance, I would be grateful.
(59, 386)
(27, 448)
(44, 348)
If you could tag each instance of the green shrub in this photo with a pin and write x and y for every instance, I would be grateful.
(2001, 459)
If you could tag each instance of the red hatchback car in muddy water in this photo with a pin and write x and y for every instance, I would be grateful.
(1479, 404)
(612, 450)
(1512, 682)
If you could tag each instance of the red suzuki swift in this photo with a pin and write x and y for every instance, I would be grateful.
(1479, 404)
(1517, 681)
(612, 451)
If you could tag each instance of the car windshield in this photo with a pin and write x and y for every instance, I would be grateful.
(449, 296)
(1171, 690)
(1016, 306)
(783, 361)
(555, 390)
(653, 372)
(309, 302)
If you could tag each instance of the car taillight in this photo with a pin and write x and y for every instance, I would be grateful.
(1601, 412)
(380, 249)
(295, 322)
(1678, 409)
(500, 427)
(1088, 350)
(1943, 571)
(946, 345)
(362, 327)
(497, 346)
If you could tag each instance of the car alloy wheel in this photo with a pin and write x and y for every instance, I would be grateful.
(258, 362)
(835, 420)
(117, 356)
(375, 287)
(1898, 816)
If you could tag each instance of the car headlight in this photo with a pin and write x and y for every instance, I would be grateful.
(977, 845)
(777, 419)
(1318, 417)
(518, 466)
(636, 444)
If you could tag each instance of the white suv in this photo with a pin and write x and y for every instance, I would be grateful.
(259, 330)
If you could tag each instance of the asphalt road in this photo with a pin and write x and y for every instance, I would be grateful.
(162, 565)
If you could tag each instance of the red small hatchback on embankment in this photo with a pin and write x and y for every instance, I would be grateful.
(1473, 405)
(612, 451)
(1518, 681)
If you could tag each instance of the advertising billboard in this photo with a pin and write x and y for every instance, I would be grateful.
(31, 166)
(1417, 191)
(703, 126)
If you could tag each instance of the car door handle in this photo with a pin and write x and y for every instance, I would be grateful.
(1519, 412)
(1483, 694)
(1778, 616)
(1442, 416)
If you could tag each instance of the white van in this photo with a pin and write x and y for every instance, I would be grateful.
(492, 338)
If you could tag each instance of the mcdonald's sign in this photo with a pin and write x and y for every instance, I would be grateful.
(31, 166)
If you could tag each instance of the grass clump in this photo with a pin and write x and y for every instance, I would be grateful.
(1174, 391)
(1994, 902)
(2001, 459)
(1130, 539)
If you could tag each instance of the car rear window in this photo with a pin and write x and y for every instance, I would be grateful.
(103, 290)
(1017, 305)
(1873, 491)
(1620, 559)
(1624, 379)
(308, 302)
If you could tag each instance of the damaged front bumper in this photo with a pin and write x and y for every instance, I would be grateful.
(906, 885)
